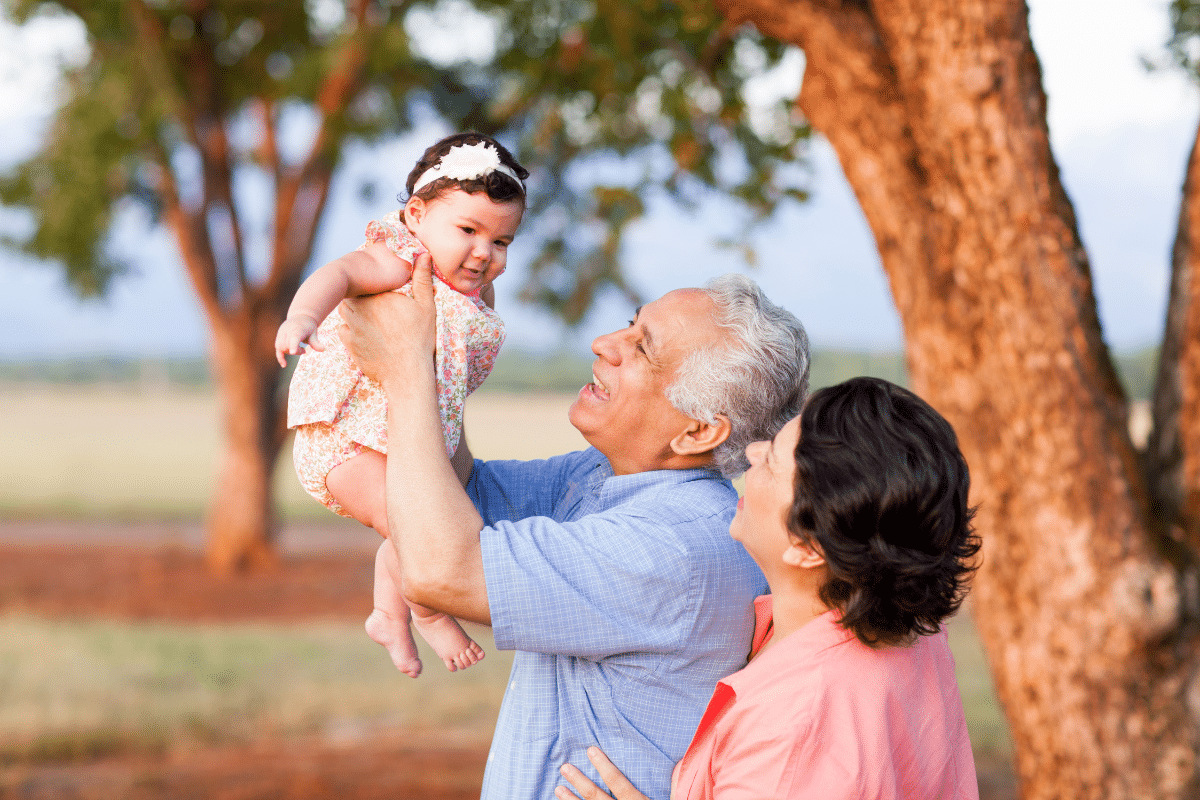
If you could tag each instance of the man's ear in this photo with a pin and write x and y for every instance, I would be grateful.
(699, 437)
(803, 555)
(414, 211)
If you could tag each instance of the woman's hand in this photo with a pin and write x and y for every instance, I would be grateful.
(621, 787)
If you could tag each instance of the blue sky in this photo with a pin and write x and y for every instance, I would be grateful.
(1121, 137)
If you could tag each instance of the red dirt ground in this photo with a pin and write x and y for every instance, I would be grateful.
(156, 571)
(146, 571)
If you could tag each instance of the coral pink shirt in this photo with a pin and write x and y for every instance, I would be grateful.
(821, 715)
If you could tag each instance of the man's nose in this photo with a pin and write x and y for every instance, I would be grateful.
(608, 347)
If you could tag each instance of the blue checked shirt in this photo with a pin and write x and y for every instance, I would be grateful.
(625, 600)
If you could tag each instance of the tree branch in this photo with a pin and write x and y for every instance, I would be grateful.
(193, 241)
(302, 194)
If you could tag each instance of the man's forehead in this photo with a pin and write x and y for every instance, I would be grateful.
(683, 311)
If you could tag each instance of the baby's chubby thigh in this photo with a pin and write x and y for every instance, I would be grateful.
(320, 450)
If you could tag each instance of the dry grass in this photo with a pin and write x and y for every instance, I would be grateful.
(80, 689)
(108, 451)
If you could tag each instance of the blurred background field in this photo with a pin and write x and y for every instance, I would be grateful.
(136, 439)
(116, 449)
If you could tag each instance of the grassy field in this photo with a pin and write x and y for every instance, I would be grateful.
(85, 688)
(128, 451)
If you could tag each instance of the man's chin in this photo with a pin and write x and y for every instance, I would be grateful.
(576, 415)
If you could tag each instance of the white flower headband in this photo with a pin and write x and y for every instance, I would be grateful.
(466, 162)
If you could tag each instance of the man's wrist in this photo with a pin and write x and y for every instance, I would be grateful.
(406, 374)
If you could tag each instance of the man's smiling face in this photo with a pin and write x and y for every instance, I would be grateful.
(625, 413)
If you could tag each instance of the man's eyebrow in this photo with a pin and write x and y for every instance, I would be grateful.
(647, 336)
(647, 340)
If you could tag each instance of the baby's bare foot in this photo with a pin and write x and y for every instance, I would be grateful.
(397, 639)
(448, 640)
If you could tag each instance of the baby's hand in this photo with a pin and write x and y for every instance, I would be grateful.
(296, 332)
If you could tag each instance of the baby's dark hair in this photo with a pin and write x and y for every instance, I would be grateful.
(500, 188)
(881, 487)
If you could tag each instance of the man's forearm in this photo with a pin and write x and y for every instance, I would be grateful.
(433, 524)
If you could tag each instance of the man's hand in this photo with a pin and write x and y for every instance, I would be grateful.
(388, 335)
(621, 787)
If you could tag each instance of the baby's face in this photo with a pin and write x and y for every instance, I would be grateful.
(467, 235)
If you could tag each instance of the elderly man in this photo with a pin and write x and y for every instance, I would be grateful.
(610, 571)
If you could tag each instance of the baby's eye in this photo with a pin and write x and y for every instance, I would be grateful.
(466, 229)
(500, 243)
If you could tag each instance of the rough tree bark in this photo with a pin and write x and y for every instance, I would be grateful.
(1085, 600)
(243, 315)
(1174, 448)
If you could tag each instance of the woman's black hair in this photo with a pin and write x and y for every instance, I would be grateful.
(881, 488)
(500, 188)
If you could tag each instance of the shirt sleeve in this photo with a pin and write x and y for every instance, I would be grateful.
(603, 585)
(512, 490)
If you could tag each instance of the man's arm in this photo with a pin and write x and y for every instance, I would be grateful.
(433, 524)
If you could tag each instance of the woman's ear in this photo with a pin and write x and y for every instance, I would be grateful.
(803, 555)
(699, 437)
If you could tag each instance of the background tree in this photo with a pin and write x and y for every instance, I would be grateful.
(1087, 598)
(181, 102)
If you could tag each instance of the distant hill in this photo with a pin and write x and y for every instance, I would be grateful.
(516, 370)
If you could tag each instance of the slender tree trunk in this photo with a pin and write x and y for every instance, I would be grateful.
(242, 525)
(938, 116)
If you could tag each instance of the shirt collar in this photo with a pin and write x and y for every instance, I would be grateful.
(606, 485)
(819, 634)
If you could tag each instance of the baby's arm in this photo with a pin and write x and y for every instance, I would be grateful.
(371, 270)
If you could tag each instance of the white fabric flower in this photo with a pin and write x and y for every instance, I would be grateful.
(466, 162)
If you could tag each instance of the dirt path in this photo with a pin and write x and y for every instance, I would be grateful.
(267, 771)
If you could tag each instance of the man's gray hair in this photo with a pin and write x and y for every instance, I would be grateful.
(758, 377)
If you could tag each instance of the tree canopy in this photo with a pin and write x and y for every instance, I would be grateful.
(607, 101)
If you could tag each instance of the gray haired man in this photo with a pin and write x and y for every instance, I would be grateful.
(610, 571)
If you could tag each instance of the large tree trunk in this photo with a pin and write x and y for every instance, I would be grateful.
(242, 525)
(938, 116)
(1174, 447)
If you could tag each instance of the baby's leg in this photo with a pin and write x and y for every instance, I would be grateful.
(358, 485)
(388, 623)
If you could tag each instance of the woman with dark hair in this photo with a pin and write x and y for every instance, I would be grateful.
(857, 514)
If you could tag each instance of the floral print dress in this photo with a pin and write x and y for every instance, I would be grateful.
(337, 411)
